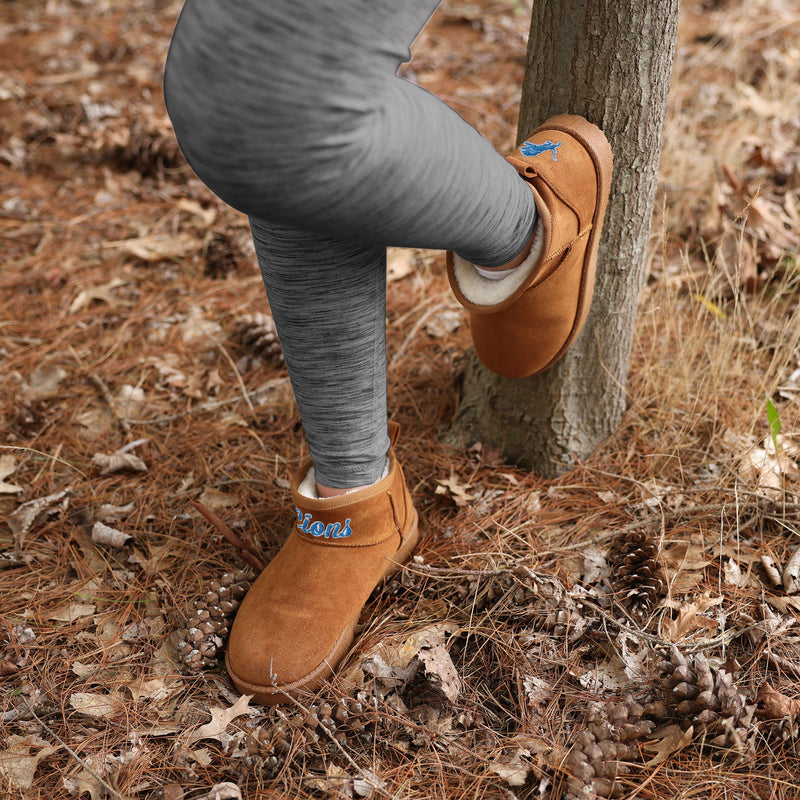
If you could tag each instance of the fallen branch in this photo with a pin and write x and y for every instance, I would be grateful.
(243, 550)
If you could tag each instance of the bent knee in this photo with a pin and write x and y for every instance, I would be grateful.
(264, 129)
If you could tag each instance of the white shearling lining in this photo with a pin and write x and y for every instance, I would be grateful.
(308, 486)
(482, 291)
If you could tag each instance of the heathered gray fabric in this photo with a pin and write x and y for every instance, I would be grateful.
(291, 111)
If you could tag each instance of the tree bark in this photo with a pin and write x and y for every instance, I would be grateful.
(609, 61)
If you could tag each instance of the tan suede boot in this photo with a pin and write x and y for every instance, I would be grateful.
(297, 621)
(525, 322)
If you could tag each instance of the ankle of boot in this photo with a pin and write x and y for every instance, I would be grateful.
(361, 518)
(308, 486)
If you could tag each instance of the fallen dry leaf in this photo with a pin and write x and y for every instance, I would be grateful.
(690, 619)
(206, 216)
(595, 566)
(120, 460)
(8, 466)
(440, 670)
(18, 764)
(454, 488)
(336, 783)
(220, 719)
(101, 293)
(197, 328)
(784, 603)
(389, 675)
(773, 704)
(96, 705)
(368, 781)
(73, 611)
(130, 401)
(223, 791)
(394, 662)
(44, 382)
(791, 574)
(111, 537)
(172, 791)
(429, 636)
(444, 322)
(513, 769)
(733, 574)
(666, 741)
(538, 693)
(108, 512)
(771, 568)
(23, 518)
(158, 247)
(766, 467)
(169, 374)
(8, 668)
(82, 782)
(608, 675)
(685, 556)
(214, 498)
(157, 689)
(399, 263)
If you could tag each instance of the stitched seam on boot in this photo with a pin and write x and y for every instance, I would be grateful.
(559, 253)
(398, 527)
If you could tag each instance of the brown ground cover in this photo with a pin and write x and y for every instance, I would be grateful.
(630, 629)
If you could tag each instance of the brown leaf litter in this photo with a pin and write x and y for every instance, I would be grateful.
(626, 630)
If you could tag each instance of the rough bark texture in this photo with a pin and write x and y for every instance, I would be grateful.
(611, 62)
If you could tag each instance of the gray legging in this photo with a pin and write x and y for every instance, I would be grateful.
(292, 112)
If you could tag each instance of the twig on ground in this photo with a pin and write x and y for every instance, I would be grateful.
(243, 550)
(413, 332)
(106, 392)
(238, 375)
(780, 663)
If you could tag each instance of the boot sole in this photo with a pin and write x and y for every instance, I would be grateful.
(281, 693)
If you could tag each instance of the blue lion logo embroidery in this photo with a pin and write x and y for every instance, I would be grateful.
(531, 149)
(333, 530)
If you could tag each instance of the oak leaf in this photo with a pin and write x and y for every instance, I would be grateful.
(220, 719)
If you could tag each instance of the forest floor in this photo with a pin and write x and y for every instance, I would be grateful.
(629, 629)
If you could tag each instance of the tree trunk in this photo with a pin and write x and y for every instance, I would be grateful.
(609, 61)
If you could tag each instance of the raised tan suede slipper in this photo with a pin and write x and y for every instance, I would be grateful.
(524, 323)
(297, 621)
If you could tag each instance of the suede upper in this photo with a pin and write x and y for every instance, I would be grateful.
(567, 163)
(297, 620)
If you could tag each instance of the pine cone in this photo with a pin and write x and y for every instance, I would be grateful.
(146, 144)
(787, 730)
(708, 699)
(602, 748)
(221, 256)
(637, 576)
(202, 637)
(345, 718)
(257, 332)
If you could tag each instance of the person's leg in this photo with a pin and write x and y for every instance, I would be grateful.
(328, 300)
(292, 112)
